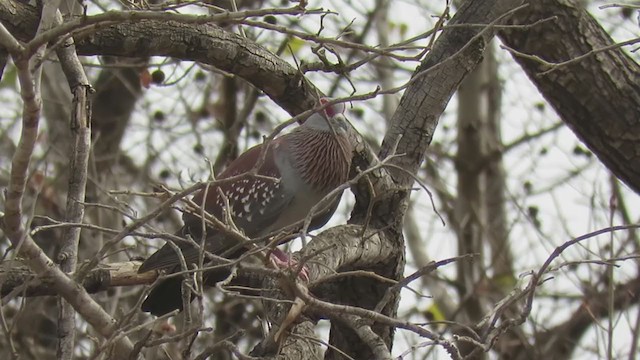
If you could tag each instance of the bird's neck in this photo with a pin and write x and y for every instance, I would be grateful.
(313, 151)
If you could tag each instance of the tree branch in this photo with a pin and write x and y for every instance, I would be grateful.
(604, 122)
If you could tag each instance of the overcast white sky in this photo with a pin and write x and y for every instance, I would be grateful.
(575, 207)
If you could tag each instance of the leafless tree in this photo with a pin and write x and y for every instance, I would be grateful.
(110, 108)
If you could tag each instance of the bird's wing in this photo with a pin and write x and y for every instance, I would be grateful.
(255, 203)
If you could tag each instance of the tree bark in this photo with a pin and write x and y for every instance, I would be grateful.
(455, 53)
(606, 123)
(207, 44)
(598, 94)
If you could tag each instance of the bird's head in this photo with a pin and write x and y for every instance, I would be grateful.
(329, 119)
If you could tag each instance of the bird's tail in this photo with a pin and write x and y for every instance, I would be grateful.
(165, 297)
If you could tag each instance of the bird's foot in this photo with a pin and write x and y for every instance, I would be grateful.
(281, 260)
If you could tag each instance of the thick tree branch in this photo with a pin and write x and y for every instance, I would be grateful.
(608, 123)
(456, 52)
(29, 67)
(17, 280)
(80, 125)
(380, 211)
(204, 43)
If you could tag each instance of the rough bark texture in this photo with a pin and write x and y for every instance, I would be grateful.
(598, 97)
(205, 43)
(454, 55)
(606, 123)
(456, 52)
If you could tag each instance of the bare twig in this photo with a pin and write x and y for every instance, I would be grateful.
(326, 307)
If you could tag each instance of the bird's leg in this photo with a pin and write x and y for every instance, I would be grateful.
(282, 260)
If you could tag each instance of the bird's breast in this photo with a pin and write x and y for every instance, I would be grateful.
(298, 210)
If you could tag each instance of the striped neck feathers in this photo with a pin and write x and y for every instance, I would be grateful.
(323, 158)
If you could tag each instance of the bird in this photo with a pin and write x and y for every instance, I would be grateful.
(297, 171)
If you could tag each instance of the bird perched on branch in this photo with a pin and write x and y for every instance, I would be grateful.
(296, 172)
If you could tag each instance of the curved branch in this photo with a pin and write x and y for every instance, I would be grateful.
(598, 97)
(204, 43)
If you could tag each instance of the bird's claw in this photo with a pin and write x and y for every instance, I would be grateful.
(283, 261)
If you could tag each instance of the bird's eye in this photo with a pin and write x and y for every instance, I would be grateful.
(334, 109)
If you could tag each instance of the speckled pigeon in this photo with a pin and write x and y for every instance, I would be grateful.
(299, 169)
